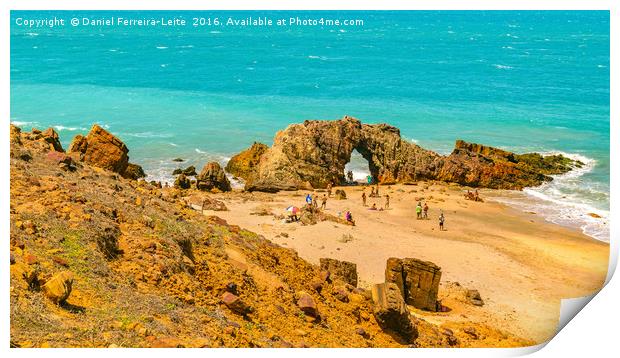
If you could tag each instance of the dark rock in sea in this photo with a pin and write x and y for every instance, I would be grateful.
(178, 160)
(182, 182)
(314, 154)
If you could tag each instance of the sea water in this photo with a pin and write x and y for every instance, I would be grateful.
(519, 80)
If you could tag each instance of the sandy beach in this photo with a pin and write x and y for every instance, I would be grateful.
(521, 264)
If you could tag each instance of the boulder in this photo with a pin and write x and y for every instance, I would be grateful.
(417, 280)
(50, 136)
(243, 164)
(58, 288)
(314, 154)
(473, 297)
(235, 304)
(203, 202)
(62, 160)
(306, 303)
(347, 271)
(340, 194)
(189, 171)
(15, 137)
(102, 149)
(182, 182)
(391, 311)
(212, 177)
(134, 171)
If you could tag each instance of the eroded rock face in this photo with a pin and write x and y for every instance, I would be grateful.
(242, 164)
(102, 149)
(417, 280)
(347, 271)
(391, 312)
(314, 153)
(212, 177)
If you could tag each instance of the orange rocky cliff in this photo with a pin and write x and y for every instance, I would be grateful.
(98, 260)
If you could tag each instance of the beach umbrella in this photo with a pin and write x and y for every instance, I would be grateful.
(292, 209)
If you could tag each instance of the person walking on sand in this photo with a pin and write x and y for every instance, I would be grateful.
(425, 209)
(364, 199)
(418, 211)
(309, 199)
(372, 191)
(329, 190)
(442, 219)
(387, 201)
(324, 202)
(377, 191)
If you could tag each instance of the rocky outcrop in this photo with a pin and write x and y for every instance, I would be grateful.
(417, 280)
(391, 312)
(243, 164)
(59, 287)
(182, 182)
(347, 271)
(314, 153)
(102, 149)
(212, 177)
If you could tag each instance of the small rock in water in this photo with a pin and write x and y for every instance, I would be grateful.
(594, 215)
(178, 160)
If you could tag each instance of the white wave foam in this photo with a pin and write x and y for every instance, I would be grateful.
(22, 123)
(502, 67)
(568, 200)
(161, 47)
(199, 151)
(71, 129)
(148, 135)
(173, 144)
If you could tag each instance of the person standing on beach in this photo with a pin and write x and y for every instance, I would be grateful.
(364, 198)
(377, 191)
(387, 201)
(309, 199)
(369, 179)
(372, 191)
(425, 209)
(324, 202)
(442, 219)
(418, 211)
(329, 190)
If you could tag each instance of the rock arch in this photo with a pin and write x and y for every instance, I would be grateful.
(314, 153)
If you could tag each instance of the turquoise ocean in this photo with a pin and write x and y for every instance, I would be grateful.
(523, 81)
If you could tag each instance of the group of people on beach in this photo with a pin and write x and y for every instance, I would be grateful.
(473, 196)
(422, 209)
